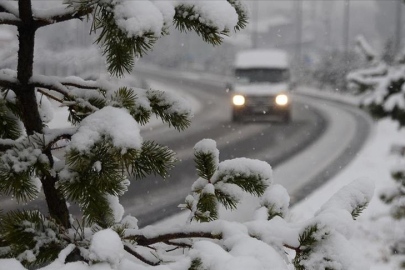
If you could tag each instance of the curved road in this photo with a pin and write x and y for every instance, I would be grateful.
(334, 132)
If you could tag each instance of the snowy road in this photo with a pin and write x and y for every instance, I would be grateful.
(330, 133)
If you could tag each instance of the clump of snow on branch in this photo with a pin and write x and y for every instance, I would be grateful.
(139, 17)
(244, 167)
(219, 14)
(349, 197)
(381, 84)
(365, 48)
(116, 207)
(276, 200)
(111, 122)
(106, 246)
(208, 146)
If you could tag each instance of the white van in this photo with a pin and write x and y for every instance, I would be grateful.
(261, 85)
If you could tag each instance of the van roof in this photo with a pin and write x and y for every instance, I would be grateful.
(262, 59)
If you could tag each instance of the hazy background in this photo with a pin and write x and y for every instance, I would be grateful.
(318, 35)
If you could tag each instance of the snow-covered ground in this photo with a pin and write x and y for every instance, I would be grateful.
(376, 230)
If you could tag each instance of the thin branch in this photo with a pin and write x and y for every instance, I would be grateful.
(55, 85)
(181, 245)
(139, 256)
(142, 240)
(52, 85)
(8, 79)
(56, 139)
(9, 19)
(297, 249)
(7, 7)
(172, 249)
(73, 82)
(70, 14)
(6, 144)
(49, 95)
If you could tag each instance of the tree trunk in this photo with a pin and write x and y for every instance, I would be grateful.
(29, 108)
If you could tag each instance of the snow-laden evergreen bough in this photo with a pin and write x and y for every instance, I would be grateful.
(384, 97)
(104, 153)
(381, 84)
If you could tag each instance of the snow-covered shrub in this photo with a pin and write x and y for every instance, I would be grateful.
(382, 85)
(103, 149)
(331, 70)
(384, 97)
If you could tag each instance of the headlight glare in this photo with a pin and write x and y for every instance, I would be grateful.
(238, 100)
(282, 99)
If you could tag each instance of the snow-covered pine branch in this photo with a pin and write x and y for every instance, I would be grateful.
(128, 29)
(44, 17)
(9, 19)
(365, 48)
(382, 86)
(85, 97)
(9, 7)
(8, 79)
(6, 144)
(9, 14)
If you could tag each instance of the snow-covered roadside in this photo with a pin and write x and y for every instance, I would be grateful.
(376, 230)
(330, 95)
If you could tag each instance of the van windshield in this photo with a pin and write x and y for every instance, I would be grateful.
(262, 75)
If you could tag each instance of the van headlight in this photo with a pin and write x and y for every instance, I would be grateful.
(238, 100)
(282, 99)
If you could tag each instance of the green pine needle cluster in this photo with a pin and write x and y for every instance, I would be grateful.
(242, 15)
(165, 110)
(252, 184)
(196, 264)
(204, 203)
(19, 167)
(121, 49)
(127, 98)
(30, 236)
(91, 176)
(356, 212)
(9, 119)
(307, 242)
(187, 19)
(205, 164)
(312, 236)
(207, 208)
(227, 200)
(272, 212)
